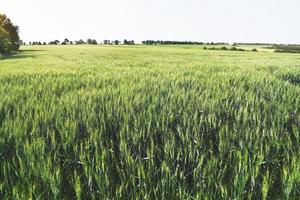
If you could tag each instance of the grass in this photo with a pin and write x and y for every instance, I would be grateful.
(143, 122)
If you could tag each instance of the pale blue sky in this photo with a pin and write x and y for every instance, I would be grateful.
(271, 21)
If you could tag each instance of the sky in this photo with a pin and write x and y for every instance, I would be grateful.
(268, 21)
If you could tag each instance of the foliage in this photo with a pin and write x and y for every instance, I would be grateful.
(128, 42)
(55, 42)
(5, 43)
(80, 42)
(168, 42)
(286, 48)
(92, 41)
(116, 42)
(141, 122)
(9, 37)
(225, 49)
(65, 42)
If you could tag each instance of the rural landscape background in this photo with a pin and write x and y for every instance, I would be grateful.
(112, 118)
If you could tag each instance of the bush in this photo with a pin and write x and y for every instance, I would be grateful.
(254, 50)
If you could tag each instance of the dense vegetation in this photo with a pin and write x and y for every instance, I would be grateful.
(9, 37)
(140, 122)
(233, 48)
(252, 44)
(125, 42)
(66, 41)
(286, 48)
(168, 42)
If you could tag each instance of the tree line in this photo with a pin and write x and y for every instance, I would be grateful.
(168, 42)
(125, 42)
(9, 36)
(81, 41)
(252, 44)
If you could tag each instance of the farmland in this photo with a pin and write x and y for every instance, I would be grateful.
(149, 122)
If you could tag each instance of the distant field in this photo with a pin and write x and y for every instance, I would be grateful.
(149, 122)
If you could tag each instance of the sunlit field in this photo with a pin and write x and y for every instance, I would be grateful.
(149, 122)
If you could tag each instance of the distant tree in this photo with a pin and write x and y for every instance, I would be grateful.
(128, 42)
(116, 42)
(44, 43)
(167, 42)
(125, 42)
(66, 41)
(55, 42)
(71, 42)
(79, 42)
(89, 41)
(106, 42)
(92, 41)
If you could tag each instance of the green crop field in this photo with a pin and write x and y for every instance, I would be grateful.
(149, 122)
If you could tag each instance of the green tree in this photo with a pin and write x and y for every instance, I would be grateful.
(9, 36)
(89, 41)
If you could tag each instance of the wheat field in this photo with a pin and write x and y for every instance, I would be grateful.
(149, 122)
